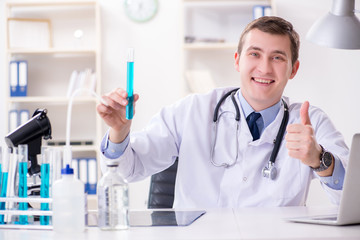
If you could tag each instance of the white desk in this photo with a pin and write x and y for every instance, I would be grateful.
(245, 223)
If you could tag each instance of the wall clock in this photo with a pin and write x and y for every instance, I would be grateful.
(141, 10)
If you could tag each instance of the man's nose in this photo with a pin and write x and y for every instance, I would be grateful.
(265, 66)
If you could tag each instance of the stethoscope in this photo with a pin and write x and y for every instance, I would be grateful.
(269, 171)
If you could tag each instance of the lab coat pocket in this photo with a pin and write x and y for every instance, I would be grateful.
(225, 139)
(287, 189)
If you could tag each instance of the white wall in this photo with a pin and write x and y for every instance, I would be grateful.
(2, 70)
(327, 78)
(157, 64)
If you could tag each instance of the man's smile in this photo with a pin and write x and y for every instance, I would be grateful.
(262, 80)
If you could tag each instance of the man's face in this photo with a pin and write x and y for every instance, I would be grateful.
(265, 68)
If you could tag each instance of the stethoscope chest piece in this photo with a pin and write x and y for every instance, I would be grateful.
(270, 171)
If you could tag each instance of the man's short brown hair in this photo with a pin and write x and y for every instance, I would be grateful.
(277, 26)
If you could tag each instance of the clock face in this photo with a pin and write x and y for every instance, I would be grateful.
(141, 10)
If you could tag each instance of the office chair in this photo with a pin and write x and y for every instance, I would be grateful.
(162, 186)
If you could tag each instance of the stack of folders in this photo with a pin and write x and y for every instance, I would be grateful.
(17, 118)
(18, 71)
(85, 169)
(82, 80)
(261, 10)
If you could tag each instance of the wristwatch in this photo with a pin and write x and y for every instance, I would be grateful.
(326, 159)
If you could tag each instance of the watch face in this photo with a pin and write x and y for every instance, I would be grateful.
(327, 159)
(141, 10)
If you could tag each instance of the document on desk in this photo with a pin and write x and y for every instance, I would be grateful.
(150, 218)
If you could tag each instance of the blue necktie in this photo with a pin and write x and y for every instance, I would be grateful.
(251, 120)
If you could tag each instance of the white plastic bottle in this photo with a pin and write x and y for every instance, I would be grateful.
(68, 203)
(113, 200)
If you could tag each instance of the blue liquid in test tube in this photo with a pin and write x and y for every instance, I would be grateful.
(44, 191)
(4, 181)
(23, 169)
(130, 84)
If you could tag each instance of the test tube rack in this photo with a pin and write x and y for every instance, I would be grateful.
(29, 212)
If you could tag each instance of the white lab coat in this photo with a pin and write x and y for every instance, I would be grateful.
(185, 130)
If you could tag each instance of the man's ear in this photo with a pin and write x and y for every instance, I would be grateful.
(295, 68)
(237, 59)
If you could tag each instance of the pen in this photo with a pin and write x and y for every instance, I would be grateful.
(130, 84)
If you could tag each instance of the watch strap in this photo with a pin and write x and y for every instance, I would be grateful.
(322, 166)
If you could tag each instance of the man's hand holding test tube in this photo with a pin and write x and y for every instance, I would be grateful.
(120, 105)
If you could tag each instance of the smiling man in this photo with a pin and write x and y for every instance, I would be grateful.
(224, 139)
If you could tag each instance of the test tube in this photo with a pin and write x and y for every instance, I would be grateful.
(4, 179)
(1, 160)
(130, 84)
(23, 169)
(46, 155)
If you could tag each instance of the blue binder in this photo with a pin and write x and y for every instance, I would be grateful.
(261, 10)
(92, 175)
(18, 78)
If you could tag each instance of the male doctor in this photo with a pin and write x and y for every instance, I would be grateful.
(223, 167)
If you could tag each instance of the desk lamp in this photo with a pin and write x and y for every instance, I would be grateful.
(339, 28)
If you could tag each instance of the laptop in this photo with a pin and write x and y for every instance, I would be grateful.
(349, 209)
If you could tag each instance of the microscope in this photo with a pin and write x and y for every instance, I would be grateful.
(31, 133)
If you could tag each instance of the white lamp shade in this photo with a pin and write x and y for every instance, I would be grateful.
(340, 28)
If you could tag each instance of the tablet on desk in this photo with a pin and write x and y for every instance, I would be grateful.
(163, 218)
(148, 218)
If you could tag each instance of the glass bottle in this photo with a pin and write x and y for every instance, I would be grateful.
(113, 200)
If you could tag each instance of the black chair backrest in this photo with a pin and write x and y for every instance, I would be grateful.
(162, 186)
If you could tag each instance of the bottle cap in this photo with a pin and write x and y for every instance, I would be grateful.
(67, 170)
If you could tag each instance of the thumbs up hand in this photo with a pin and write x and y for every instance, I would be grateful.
(300, 139)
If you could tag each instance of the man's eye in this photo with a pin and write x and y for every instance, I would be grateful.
(254, 54)
(278, 58)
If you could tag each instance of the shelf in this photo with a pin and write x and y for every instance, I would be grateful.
(223, 3)
(84, 148)
(52, 51)
(209, 46)
(49, 3)
(53, 100)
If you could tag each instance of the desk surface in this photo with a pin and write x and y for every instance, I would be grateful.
(244, 223)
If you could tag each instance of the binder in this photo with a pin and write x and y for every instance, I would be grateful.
(72, 83)
(17, 118)
(92, 175)
(75, 166)
(24, 116)
(83, 172)
(267, 11)
(82, 80)
(261, 10)
(23, 70)
(18, 78)
(13, 120)
(13, 77)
